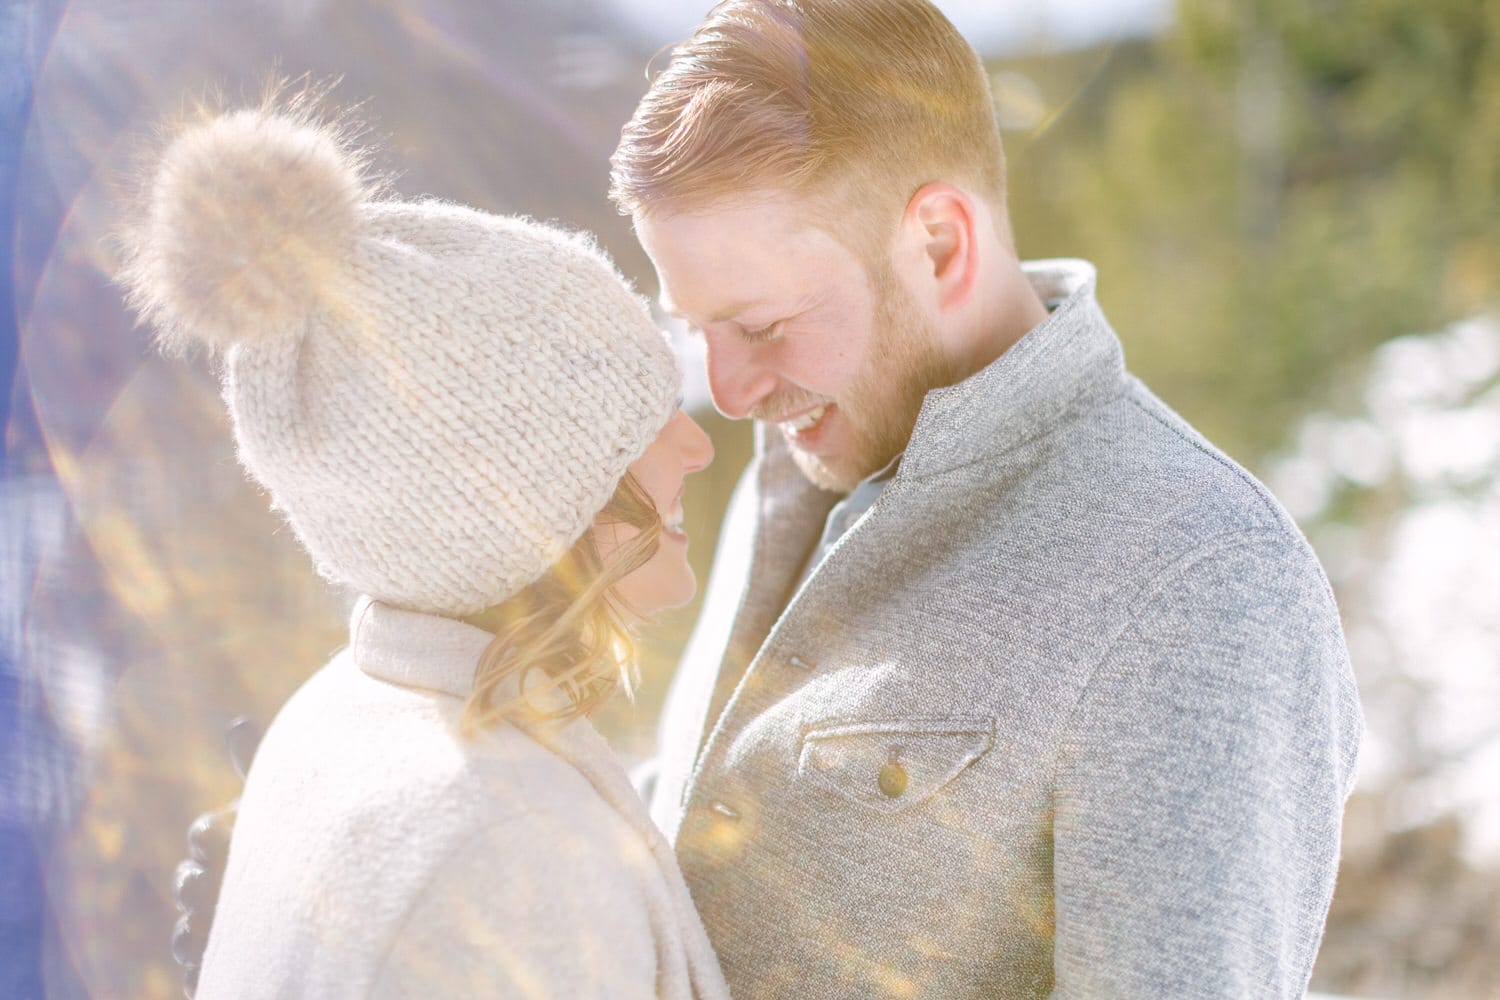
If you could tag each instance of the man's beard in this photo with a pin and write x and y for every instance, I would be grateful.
(905, 363)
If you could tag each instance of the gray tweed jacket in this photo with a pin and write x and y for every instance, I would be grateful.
(1068, 712)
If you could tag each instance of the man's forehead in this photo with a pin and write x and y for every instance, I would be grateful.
(681, 234)
(722, 261)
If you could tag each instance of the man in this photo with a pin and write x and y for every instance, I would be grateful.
(1030, 691)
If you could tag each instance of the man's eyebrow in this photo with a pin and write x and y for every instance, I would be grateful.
(670, 308)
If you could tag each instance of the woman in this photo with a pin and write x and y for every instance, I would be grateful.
(473, 422)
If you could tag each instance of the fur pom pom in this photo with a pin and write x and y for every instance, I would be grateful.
(248, 225)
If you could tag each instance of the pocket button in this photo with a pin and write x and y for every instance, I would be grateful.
(892, 778)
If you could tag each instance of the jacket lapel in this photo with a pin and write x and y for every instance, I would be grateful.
(789, 521)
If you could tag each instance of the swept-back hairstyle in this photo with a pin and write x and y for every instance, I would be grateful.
(852, 104)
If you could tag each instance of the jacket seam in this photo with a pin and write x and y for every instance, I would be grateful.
(1218, 457)
(1240, 539)
(1261, 493)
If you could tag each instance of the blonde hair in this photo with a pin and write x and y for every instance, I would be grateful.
(854, 104)
(570, 626)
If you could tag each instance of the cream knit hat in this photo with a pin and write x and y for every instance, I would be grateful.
(439, 400)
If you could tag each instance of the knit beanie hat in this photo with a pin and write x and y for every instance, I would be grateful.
(438, 400)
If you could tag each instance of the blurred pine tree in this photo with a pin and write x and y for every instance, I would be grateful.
(1273, 189)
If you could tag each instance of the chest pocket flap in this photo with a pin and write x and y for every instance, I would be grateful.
(891, 765)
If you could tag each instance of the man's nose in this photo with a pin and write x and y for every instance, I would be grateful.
(738, 379)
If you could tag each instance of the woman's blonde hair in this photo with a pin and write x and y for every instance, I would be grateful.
(570, 630)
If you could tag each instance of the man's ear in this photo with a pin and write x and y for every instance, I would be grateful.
(940, 225)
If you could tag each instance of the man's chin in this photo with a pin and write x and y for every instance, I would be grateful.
(831, 475)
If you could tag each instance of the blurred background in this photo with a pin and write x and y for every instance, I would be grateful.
(1295, 210)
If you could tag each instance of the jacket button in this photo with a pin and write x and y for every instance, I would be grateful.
(892, 778)
(715, 833)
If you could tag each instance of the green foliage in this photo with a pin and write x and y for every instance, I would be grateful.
(1272, 190)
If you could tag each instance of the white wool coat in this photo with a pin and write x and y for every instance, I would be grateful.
(379, 853)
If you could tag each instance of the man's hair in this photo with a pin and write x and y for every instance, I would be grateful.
(851, 104)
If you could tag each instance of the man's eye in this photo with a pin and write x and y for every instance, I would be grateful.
(759, 336)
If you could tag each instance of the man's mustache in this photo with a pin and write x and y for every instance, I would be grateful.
(778, 408)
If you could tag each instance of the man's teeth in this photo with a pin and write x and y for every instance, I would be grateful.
(807, 419)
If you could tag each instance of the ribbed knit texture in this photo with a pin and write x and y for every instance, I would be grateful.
(439, 400)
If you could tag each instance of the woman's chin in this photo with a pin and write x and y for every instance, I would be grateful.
(660, 592)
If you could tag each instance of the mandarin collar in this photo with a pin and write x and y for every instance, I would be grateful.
(424, 651)
(1068, 364)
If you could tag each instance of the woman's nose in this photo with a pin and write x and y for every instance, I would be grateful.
(696, 447)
